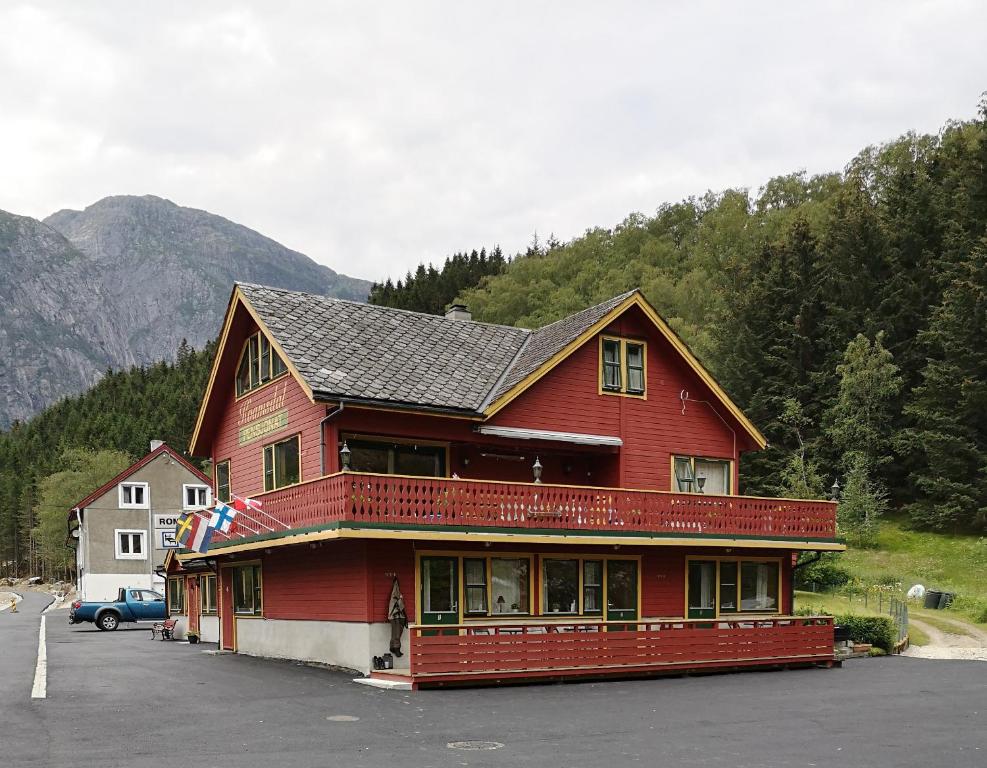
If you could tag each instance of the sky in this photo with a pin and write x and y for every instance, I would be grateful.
(374, 136)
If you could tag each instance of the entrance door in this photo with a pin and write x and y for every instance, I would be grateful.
(622, 592)
(440, 590)
(226, 630)
(193, 605)
(702, 589)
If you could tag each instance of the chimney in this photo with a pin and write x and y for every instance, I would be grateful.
(155, 444)
(458, 312)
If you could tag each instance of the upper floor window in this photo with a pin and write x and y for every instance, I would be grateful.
(131, 544)
(195, 496)
(223, 490)
(697, 475)
(281, 464)
(622, 367)
(134, 496)
(259, 364)
(387, 457)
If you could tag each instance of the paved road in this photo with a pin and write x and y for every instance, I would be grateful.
(119, 699)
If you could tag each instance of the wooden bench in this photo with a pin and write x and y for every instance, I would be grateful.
(164, 628)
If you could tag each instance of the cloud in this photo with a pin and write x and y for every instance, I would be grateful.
(375, 136)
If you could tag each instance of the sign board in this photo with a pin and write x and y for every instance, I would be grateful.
(265, 426)
(166, 539)
(169, 520)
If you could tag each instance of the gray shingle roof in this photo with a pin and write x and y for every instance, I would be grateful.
(346, 349)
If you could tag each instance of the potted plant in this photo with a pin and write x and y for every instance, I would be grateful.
(192, 637)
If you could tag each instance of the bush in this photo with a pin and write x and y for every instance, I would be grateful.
(879, 631)
(824, 575)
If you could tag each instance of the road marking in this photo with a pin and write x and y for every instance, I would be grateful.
(40, 689)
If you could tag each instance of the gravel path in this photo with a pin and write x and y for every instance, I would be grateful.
(969, 643)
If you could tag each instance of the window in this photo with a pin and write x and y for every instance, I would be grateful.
(593, 586)
(259, 364)
(195, 496)
(281, 464)
(697, 475)
(134, 496)
(247, 593)
(506, 592)
(560, 586)
(131, 544)
(623, 369)
(745, 586)
(584, 586)
(223, 492)
(176, 595)
(386, 457)
(207, 592)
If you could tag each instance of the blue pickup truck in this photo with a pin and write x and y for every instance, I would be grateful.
(132, 604)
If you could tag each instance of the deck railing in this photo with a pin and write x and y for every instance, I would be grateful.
(429, 501)
(533, 649)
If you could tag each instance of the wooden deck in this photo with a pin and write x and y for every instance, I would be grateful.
(492, 652)
(454, 504)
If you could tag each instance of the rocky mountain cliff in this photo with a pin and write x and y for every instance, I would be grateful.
(122, 283)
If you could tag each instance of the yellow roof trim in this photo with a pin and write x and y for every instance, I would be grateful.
(635, 299)
(236, 298)
(517, 538)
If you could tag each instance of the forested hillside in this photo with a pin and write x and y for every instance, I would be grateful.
(771, 289)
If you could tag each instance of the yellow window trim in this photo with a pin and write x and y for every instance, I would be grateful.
(582, 557)
(261, 385)
(215, 478)
(260, 573)
(297, 437)
(622, 342)
(673, 486)
(734, 559)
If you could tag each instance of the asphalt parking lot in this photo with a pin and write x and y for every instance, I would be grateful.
(120, 699)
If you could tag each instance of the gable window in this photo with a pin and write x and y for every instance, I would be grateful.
(386, 457)
(281, 464)
(623, 370)
(176, 595)
(207, 591)
(223, 491)
(134, 496)
(130, 544)
(693, 474)
(247, 591)
(259, 364)
(195, 496)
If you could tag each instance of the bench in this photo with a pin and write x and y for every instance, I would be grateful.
(164, 628)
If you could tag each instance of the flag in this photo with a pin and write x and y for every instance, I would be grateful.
(199, 541)
(183, 529)
(222, 518)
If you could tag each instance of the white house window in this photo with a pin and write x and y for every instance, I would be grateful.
(131, 544)
(196, 496)
(134, 496)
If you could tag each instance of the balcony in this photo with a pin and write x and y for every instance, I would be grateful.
(358, 500)
(490, 652)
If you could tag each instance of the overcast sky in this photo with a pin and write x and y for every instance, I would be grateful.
(372, 136)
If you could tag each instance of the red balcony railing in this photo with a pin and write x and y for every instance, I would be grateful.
(425, 501)
(533, 649)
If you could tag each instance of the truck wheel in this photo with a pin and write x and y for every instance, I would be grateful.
(108, 622)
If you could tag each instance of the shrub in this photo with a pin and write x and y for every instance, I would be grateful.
(824, 575)
(879, 631)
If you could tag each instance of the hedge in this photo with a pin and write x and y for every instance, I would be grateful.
(879, 631)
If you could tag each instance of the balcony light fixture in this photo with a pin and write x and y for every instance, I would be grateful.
(835, 490)
(536, 469)
(344, 457)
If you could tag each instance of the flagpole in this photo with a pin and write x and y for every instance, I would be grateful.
(256, 508)
(206, 516)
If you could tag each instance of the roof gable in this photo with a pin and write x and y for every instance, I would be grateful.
(161, 449)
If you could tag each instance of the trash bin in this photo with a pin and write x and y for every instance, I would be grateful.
(932, 599)
(946, 600)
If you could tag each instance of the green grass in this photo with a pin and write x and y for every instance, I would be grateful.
(840, 605)
(946, 562)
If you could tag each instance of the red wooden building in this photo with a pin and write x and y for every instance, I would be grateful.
(554, 503)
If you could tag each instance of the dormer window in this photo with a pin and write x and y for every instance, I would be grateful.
(259, 364)
(622, 367)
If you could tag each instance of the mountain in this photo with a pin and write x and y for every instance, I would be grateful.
(122, 283)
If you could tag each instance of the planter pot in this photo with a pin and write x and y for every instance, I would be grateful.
(193, 639)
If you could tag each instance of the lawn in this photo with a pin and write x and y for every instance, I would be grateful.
(841, 605)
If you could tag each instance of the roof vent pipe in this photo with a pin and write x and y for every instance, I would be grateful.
(458, 312)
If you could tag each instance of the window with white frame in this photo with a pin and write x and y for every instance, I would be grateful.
(195, 496)
(131, 544)
(134, 496)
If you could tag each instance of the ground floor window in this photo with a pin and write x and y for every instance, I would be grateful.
(733, 585)
(176, 595)
(581, 586)
(207, 591)
(247, 590)
(497, 585)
